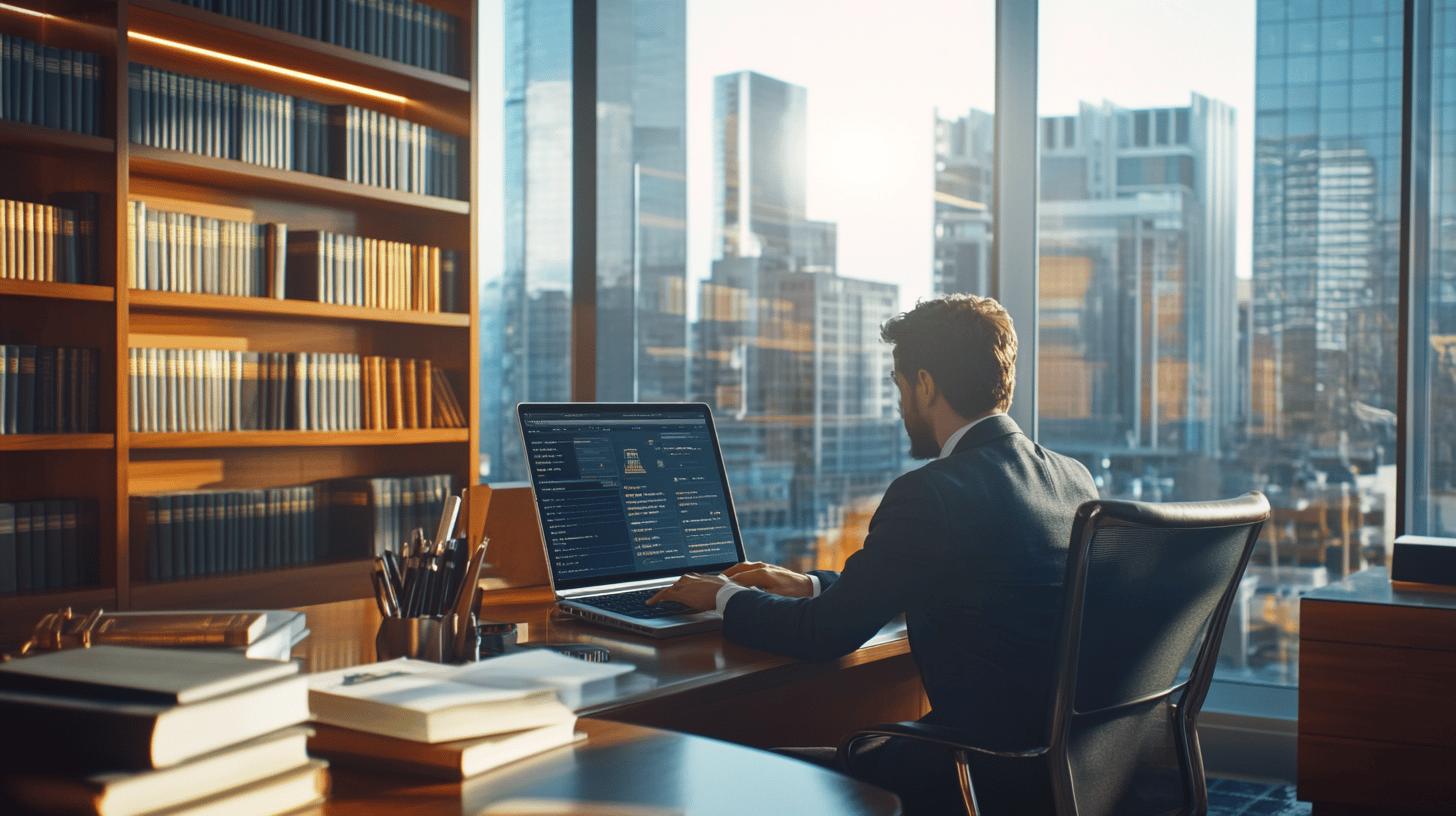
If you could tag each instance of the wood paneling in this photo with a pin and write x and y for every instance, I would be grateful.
(1371, 777)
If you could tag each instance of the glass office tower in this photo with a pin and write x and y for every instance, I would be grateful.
(641, 239)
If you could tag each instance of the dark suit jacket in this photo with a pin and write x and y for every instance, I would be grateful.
(972, 549)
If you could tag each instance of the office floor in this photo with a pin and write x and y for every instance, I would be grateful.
(1233, 797)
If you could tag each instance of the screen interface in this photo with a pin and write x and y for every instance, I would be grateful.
(628, 493)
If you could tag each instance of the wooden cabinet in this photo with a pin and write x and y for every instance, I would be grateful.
(1377, 698)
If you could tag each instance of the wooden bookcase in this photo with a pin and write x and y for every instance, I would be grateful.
(115, 463)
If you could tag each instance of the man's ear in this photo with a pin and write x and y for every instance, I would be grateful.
(925, 388)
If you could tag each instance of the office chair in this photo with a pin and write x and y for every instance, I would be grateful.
(1148, 587)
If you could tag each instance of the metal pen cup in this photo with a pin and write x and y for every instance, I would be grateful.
(426, 638)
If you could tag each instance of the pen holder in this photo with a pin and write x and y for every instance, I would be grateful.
(426, 638)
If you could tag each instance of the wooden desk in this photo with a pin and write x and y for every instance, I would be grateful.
(625, 764)
(1377, 722)
(698, 684)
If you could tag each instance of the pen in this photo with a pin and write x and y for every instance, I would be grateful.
(384, 589)
(448, 515)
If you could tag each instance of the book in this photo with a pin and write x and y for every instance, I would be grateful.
(421, 702)
(178, 628)
(284, 793)
(144, 675)
(140, 735)
(48, 86)
(574, 680)
(48, 390)
(115, 793)
(459, 759)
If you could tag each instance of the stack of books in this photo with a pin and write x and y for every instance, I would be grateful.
(208, 390)
(178, 252)
(381, 511)
(329, 267)
(49, 242)
(404, 393)
(117, 730)
(45, 389)
(214, 532)
(407, 715)
(401, 30)
(260, 634)
(47, 545)
(50, 87)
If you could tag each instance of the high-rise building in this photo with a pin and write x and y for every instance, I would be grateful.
(787, 351)
(964, 183)
(759, 161)
(1326, 210)
(1138, 323)
(641, 232)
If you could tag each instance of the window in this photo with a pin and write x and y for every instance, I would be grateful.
(1217, 315)
(1432, 412)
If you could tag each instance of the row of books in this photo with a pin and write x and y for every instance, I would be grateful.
(400, 30)
(48, 545)
(229, 121)
(130, 730)
(404, 393)
(49, 389)
(386, 151)
(178, 252)
(207, 390)
(201, 533)
(225, 120)
(329, 267)
(50, 87)
(215, 532)
(49, 242)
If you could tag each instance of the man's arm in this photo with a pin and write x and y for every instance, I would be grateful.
(876, 585)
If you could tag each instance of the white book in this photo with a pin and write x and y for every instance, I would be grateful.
(574, 680)
(419, 701)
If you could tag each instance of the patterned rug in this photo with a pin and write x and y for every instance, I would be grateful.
(1233, 797)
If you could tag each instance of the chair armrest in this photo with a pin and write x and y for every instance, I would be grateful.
(952, 738)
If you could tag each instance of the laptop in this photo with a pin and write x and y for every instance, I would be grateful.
(629, 497)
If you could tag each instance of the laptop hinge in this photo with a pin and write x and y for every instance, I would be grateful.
(604, 589)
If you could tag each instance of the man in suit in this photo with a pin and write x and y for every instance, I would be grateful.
(970, 547)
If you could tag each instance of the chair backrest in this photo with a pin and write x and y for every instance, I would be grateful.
(1148, 590)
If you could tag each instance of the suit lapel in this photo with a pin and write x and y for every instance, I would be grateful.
(992, 428)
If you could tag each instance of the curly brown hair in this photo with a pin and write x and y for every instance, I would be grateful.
(968, 345)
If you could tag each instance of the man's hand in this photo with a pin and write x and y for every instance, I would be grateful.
(697, 592)
(770, 578)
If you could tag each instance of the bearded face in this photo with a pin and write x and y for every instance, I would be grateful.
(922, 438)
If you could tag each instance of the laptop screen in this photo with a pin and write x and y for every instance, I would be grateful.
(629, 491)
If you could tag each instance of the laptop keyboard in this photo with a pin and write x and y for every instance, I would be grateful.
(634, 604)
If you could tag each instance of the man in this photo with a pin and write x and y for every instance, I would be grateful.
(970, 547)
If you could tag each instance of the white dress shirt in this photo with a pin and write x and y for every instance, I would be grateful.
(945, 450)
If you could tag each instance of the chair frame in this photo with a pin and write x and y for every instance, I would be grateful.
(1252, 510)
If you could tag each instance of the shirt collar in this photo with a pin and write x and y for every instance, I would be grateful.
(955, 438)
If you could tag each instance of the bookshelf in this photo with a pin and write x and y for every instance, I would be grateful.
(114, 463)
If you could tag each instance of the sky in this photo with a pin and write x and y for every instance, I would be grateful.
(876, 72)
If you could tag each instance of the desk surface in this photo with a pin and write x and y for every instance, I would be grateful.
(619, 762)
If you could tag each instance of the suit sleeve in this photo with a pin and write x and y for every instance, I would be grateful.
(877, 583)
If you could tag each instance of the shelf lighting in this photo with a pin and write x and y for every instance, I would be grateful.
(27, 12)
(264, 66)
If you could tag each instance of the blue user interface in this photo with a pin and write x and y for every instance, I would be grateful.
(628, 493)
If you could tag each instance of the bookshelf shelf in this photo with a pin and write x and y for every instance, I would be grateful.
(248, 178)
(148, 300)
(207, 29)
(292, 586)
(52, 140)
(57, 291)
(298, 439)
(56, 442)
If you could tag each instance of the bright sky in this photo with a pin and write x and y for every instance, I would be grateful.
(877, 71)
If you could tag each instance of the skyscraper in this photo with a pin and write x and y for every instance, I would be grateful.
(1138, 345)
(642, 244)
(1326, 210)
(786, 350)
